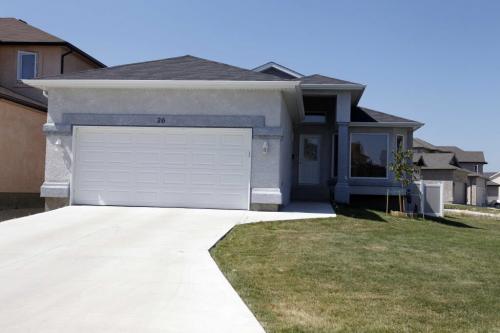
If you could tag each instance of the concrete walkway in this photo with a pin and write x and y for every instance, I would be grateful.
(123, 269)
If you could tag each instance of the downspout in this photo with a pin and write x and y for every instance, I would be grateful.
(62, 60)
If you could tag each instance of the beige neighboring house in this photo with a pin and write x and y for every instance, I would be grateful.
(460, 171)
(25, 53)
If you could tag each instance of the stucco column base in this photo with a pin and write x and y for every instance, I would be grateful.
(54, 203)
(342, 194)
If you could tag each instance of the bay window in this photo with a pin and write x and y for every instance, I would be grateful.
(369, 155)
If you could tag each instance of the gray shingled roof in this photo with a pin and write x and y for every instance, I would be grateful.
(365, 115)
(419, 143)
(436, 161)
(321, 79)
(179, 68)
(465, 156)
(21, 99)
(14, 30)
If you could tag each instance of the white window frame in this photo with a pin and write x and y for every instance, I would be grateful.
(20, 63)
(387, 158)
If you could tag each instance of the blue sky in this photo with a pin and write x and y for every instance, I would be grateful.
(437, 62)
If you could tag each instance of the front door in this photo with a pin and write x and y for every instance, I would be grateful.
(309, 159)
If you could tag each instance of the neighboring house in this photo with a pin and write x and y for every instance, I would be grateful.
(470, 160)
(493, 187)
(26, 53)
(459, 170)
(190, 132)
(443, 167)
(421, 146)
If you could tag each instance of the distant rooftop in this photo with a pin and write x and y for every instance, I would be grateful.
(465, 155)
(15, 31)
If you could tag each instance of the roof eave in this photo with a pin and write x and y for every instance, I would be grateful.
(339, 86)
(22, 102)
(141, 84)
(414, 125)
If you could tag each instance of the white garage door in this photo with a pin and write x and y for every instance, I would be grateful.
(163, 167)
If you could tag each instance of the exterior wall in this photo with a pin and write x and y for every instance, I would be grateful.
(22, 147)
(267, 182)
(476, 191)
(444, 176)
(454, 184)
(286, 150)
(74, 62)
(471, 166)
(493, 193)
(49, 63)
(459, 193)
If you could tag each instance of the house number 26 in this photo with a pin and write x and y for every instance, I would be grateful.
(160, 120)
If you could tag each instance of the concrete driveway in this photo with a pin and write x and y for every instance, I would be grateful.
(121, 269)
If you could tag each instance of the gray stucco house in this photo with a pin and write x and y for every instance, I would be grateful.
(460, 171)
(190, 132)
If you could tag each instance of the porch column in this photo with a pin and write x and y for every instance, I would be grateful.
(343, 118)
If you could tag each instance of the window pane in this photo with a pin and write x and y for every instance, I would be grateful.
(315, 118)
(311, 149)
(28, 66)
(369, 155)
(399, 142)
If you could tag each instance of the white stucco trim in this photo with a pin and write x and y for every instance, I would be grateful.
(266, 196)
(278, 67)
(149, 84)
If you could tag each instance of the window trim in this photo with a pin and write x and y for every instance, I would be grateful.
(335, 137)
(387, 158)
(20, 62)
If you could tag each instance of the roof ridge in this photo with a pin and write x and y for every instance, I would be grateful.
(241, 68)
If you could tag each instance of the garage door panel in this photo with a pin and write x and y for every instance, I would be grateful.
(171, 167)
(175, 158)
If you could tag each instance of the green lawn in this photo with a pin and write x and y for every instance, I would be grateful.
(366, 272)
